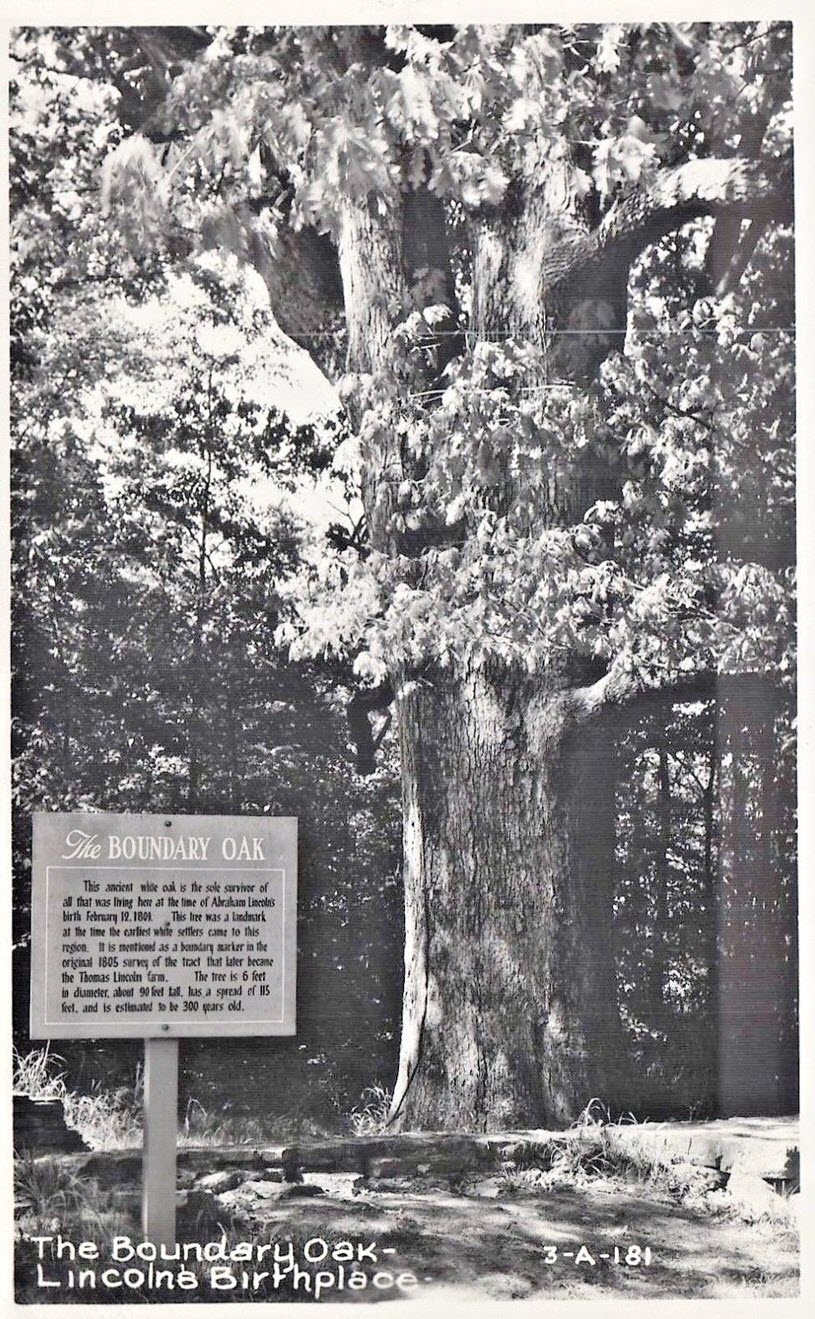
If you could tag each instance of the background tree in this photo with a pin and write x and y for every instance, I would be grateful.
(562, 255)
(147, 593)
(155, 490)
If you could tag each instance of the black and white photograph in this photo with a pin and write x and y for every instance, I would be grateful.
(404, 743)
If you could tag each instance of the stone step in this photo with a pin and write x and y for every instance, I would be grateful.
(40, 1127)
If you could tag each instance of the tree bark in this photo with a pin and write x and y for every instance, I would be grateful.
(760, 190)
(510, 1010)
(510, 1013)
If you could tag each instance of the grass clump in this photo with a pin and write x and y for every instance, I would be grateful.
(50, 1198)
(372, 1118)
(200, 1127)
(34, 1074)
(45, 1188)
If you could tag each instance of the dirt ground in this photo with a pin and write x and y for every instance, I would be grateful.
(527, 1234)
(516, 1243)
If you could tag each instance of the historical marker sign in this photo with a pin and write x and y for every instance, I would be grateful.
(163, 926)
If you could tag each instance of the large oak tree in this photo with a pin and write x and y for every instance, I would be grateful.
(548, 268)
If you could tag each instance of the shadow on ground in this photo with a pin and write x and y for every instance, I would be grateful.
(519, 1245)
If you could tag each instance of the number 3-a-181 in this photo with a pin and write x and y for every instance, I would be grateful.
(633, 1255)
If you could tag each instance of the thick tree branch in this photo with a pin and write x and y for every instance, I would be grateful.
(361, 706)
(740, 258)
(302, 275)
(305, 292)
(619, 688)
(429, 269)
(756, 189)
(724, 241)
(759, 189)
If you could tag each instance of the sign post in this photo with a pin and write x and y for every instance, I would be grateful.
(162, 927)
(160, 1130)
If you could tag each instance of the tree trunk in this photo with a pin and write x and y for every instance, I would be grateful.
(658, 968)
(510, 1013)
(757, 1048)
(712, 915)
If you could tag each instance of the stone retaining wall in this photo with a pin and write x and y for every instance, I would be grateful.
(765, 1150)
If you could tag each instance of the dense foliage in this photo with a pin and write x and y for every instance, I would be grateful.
(154, 525)
(186, 639)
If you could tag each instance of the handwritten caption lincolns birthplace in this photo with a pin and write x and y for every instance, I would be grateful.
(162, 925)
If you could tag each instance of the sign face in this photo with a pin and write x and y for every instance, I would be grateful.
(160, 925)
